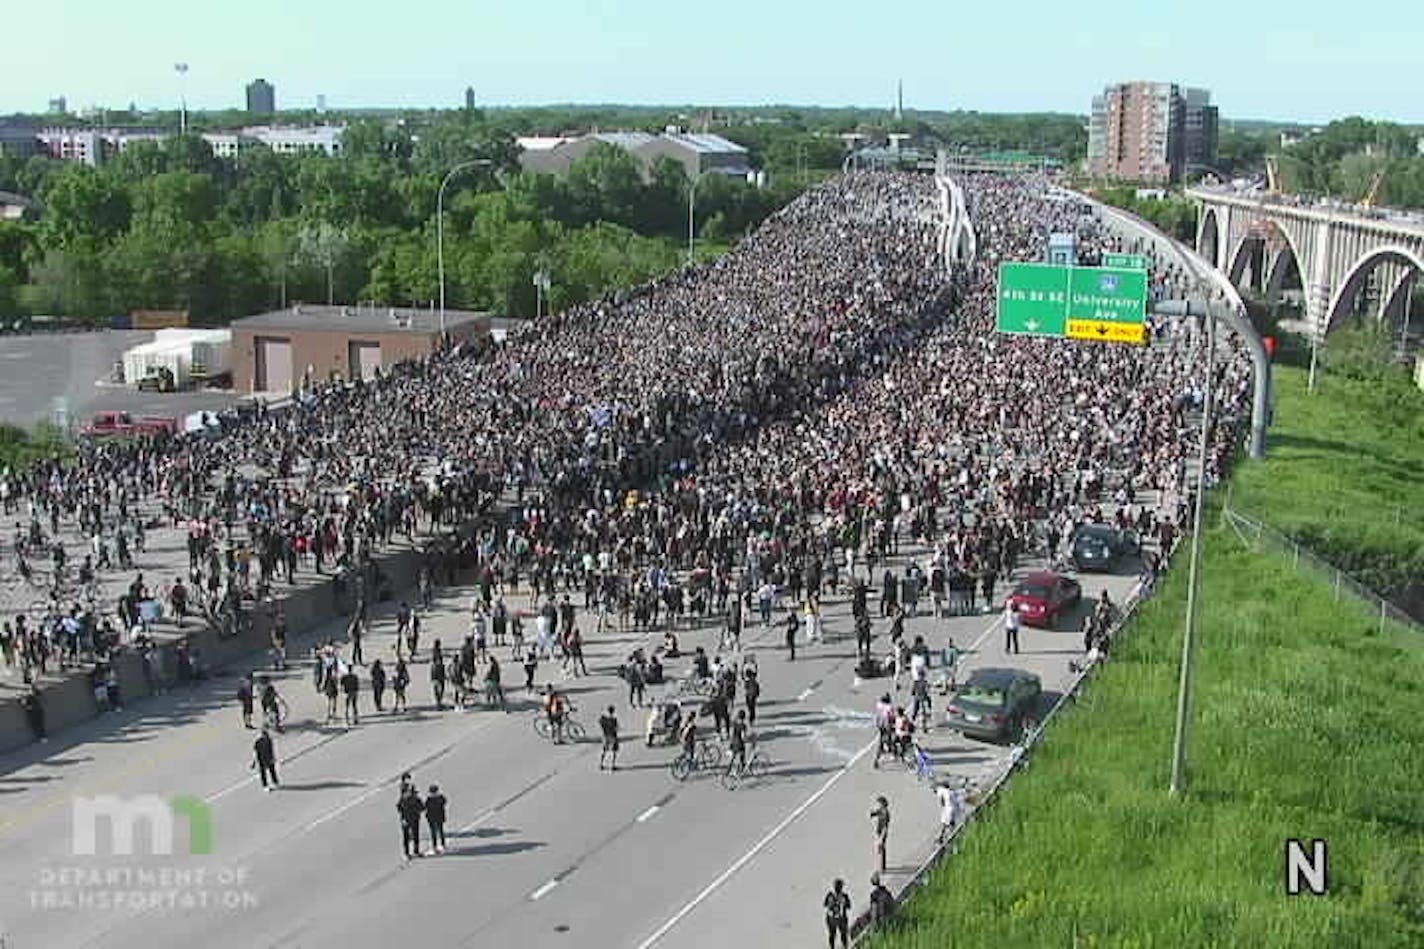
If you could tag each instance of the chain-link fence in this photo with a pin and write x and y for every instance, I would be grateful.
(1254, 533)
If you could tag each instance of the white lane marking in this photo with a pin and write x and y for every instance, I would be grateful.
(332, 815)
(649, 813)
(746, 858)
(478, 821)
(804, 695)
(543, 890)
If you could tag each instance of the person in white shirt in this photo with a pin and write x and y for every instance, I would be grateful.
(952, 809)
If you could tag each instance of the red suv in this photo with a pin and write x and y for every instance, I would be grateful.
(1043, 597)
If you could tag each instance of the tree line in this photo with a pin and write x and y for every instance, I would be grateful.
(168, 224)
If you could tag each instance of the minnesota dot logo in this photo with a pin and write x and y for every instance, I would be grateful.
(1107, 283)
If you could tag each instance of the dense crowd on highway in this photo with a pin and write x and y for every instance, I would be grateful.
(727, 441)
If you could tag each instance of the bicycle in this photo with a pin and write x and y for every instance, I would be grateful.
(753, 767)
(706, 757)
(544, 728)
(916, 759)
(693, 686)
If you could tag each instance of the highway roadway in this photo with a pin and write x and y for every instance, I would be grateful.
(545, 849)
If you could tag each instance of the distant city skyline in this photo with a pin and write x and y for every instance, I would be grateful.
(1037, 57)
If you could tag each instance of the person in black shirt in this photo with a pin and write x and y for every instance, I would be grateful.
(410, 807)
(752, 691)
(351, 687)
(882, 902)
(399, 684)
(837, 903)
(437, 675)
(737, 742)
(378, 684)
(608, 722)
(264, 759)
(435, 811)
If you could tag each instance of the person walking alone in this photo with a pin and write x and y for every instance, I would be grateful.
(436, 807)
(410, 807)
(1011, 629)
(264, 760)
(837, 904)
(351, 687)
(399, 683)
(608, 723)
(378, 685)
(880, 821)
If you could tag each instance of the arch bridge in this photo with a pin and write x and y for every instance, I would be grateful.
(1346, 261)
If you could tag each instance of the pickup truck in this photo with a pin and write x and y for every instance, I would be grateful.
(122, 424)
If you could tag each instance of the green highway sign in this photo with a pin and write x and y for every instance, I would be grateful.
(1102, 303)
(1128, 261)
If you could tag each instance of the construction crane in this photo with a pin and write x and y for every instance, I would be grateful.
(1372, 195)
(1273, 175)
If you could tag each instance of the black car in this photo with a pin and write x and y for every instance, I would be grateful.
(994, 704)
(1099, 547)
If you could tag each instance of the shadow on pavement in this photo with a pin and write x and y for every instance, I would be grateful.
(492, 850)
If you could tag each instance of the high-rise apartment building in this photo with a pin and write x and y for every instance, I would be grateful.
(261, 97)
(1150, 131)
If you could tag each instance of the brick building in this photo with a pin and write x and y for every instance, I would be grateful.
(274, 352)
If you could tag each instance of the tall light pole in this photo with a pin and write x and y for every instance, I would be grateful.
(182, 70)
(440, 228)
(1184, 687)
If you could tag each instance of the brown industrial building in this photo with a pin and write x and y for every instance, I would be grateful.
(274, 353)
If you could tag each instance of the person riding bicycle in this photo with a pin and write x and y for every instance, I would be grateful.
(737, 743)
(689, 736)
(272, 703)
(556, 707)
(904, 731)
(885, 725)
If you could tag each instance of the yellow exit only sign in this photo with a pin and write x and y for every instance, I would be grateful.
(1106, 331)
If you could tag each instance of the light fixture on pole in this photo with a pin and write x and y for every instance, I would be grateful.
(1184, 687)
(440, 228)
(182, 70)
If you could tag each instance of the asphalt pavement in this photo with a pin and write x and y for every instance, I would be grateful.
(41, 368)
(545, 849)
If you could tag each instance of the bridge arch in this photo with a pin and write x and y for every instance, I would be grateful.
(1284, 264)
(1209, 243)
(1347, 293)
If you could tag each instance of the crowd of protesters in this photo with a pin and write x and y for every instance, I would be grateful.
(729, 437)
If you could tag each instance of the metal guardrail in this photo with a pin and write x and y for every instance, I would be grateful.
(1019, 758)
(1255, 532)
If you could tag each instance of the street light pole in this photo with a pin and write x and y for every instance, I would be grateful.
(1184, 686)
(440, 229)
(182, 70)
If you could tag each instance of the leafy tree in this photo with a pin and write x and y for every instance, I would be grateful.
(83, 206)
(324, 245)
(606, 185)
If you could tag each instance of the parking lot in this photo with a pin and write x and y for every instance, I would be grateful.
(40, 369)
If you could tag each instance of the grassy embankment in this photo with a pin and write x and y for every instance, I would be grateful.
(1308, 724)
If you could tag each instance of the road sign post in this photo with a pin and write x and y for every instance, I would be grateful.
(1108, 304)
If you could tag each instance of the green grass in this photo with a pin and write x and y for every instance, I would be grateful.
(1308, 724)
(1344, 473)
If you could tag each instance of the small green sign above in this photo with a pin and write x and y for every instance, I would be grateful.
(1127, 261)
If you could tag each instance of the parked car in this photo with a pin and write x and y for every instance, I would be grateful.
(1043, 597)
(159, 380)
(994, 704)
(122, 425)
(1099, 547)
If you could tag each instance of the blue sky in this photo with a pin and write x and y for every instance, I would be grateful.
(1302, 61)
